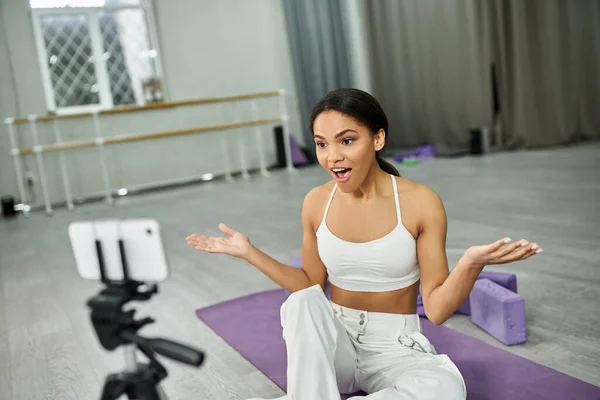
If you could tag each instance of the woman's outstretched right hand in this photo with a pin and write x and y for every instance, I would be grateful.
(237, 244)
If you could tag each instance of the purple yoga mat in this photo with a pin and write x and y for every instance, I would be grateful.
(251, 325)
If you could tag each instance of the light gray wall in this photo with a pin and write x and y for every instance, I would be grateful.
(208, 48)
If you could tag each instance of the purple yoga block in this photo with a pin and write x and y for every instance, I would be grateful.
(498, 311)
(504, 279)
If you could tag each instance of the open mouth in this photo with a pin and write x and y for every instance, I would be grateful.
(342, 174)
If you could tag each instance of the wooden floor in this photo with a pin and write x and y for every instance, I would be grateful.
(48, 349)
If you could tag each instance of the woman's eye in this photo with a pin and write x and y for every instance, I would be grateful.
(347, 140)
(320, 144)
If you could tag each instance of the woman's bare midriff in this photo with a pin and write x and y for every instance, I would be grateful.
(401, 301)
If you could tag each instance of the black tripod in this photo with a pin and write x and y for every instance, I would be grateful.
(116, 327)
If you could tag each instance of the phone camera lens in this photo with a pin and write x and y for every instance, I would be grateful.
(149, 231)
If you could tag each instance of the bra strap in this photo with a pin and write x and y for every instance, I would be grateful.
(329, 202)
(397, 200)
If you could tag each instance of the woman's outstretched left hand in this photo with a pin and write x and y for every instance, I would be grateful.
(501, 252)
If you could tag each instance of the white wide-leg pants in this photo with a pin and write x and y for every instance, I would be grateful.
(333, 349)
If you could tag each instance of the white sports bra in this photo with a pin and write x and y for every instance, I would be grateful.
(383, 264)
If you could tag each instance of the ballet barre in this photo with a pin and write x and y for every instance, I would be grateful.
(139, 137)
(100, 142)
(152, 106)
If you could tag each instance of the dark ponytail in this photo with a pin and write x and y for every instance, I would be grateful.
(362, 107)
(386, 166)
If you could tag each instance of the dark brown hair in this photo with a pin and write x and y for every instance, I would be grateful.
(361, 106)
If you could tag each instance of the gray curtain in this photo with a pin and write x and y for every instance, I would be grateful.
(319, 52)
(431, 69)
(548, 56)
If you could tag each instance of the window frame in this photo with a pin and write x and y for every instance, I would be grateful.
(97, 45)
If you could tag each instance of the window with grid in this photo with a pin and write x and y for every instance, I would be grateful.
(95, 54)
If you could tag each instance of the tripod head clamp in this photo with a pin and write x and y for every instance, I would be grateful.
(115, 326)
(109, 318)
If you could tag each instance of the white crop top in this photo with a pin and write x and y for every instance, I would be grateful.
(383, 264)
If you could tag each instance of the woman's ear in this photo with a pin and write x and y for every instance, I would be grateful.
(379, 140)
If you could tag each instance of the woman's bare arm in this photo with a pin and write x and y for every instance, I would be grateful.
(443, 292)
(293, 279)
(313, 271)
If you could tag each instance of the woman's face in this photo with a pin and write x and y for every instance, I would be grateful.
(345, 148)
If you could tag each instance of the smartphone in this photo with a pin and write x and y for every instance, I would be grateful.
(141, 241)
